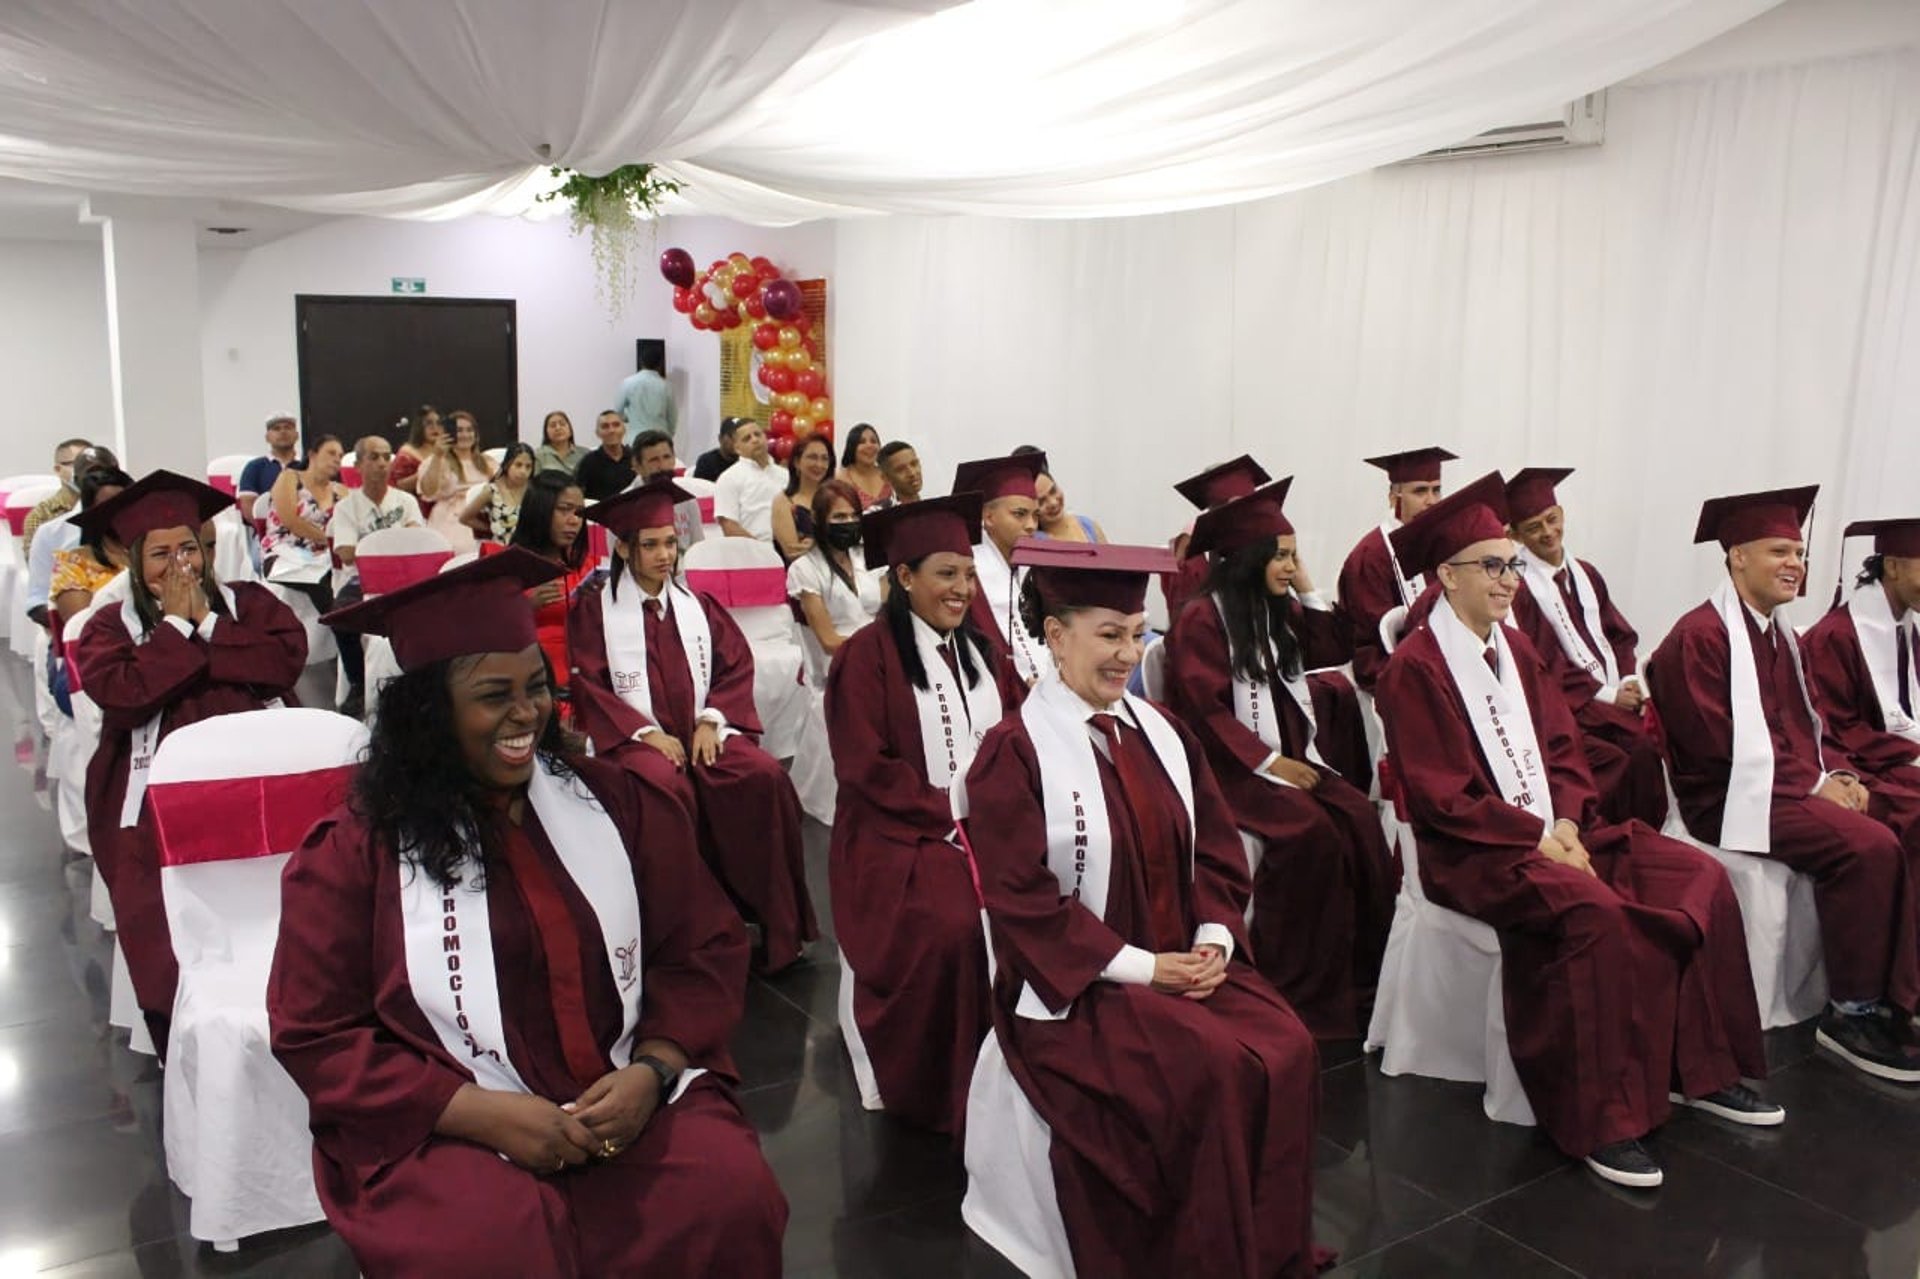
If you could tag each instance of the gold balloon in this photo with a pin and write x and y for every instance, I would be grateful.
(789, 336)
(798, 359)
(793, 402)
(802, 426)
(821, 408)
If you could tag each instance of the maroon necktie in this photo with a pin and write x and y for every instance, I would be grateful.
(560, 943)
(1159, 861)
(1493, 659)
(1571, 594)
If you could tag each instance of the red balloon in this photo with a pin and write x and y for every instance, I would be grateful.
(764, 266)
(716, 265)
(781, 422)
(766, 336)
(779, 378)
(677, 266)
(823, 426)
(809, 382)
(730, 318)
(683, 303)
(783, 299)
(744, 284)
(756, 308)
(780, 450)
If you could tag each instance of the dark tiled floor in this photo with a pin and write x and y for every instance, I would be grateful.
(1412, 1181)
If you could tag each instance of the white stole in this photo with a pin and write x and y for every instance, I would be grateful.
(1745, 826)
(1498, 710)
(1881, 635)
(448, 934)
(1000, 583)
(1552, 602)
(953, 718)
(145, 740)
(1410, 587)
(1251, 708)
(623, 620)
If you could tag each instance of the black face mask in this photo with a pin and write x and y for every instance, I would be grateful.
(843, 537)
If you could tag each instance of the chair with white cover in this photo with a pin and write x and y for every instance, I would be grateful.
(747, 579)
(70, 750)
(1011, 1202)
(224, 472)
(388, 560)
(231, 798)
(701, 491)
(13, 557)
(19, 502)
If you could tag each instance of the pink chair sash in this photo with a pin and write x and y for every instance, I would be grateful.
(741, 587)
(350, 476)
(231, 818)
(381, 574)
(225, 484)
(706, 510)
(17, 518)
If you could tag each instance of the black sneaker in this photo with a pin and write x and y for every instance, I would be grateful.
(1738, 1105)
(1868, 1043)
(1627, 1163)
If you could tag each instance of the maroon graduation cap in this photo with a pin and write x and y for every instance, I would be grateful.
(1412, 466)
(1244, 520)
(1223, 483)
(914, 530)
(1476, 513)
(1530, 491)
(479, 607)
(1751, 517)
(1092, 574)
(648, 506)
(158, 500)
(1890, 537)
(997, 477)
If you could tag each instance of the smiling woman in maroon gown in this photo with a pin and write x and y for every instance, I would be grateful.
(1178, 1087)
(506, 983)
(181, 648)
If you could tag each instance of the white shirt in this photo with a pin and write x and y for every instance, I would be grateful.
(848, 610)
(744, 494)
(356, 515)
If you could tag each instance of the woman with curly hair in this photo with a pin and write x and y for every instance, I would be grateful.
(506, 983)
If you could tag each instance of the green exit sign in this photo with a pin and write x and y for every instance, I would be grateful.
(402, 284)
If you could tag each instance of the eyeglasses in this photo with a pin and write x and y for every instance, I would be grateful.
(1494, 567)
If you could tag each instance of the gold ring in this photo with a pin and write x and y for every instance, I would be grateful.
(608, 1150)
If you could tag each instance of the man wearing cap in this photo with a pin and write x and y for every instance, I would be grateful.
(181, 648)
(283, 449)
(1564, 607)
(743, 495)
(1010, 510)
(663, 684)
(1624, 955)
(1371, 581)
(1743, 748)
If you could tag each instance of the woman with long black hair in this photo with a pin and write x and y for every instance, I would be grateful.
(1323, 880)
(505, 982)
(550, 526)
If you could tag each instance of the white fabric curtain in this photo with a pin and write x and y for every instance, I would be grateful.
(1725, 296)
(777, 110)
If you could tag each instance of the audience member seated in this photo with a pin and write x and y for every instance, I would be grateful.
(1010, 511)
(860, 467)
(1055, 521)
(1178, 1088)
(558, 450)
(563, 1105)
(644, 398)
(296, 550)
(260, 475)
(810, 466)
(838, 592)
(493, 508)
(907, 704)
(1237, 659)
(1623, 952)
(1743, 747)
(653, 459)
(183, 647)
(454, 467)
(79, 572)
(550, 527)
(663, 685)
(609, 468)
(1371, 582)
(743, 496)
(709, 465)
(64, 454)
(900, 463)
(372, 508)
(56, 534)
(423, 441)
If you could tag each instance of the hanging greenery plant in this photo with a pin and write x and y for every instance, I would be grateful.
(617, 209)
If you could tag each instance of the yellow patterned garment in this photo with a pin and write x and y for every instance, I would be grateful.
(78, 570)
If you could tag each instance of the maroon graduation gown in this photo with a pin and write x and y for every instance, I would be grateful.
(252, 658)
(1856, 728)
(1323, 898)
(981, 615)
(1622, 755)
(1182, 1129)
(1617, 987)
(692, 1195)
(747, 811)
(1865, 887)
(1369, 591)
(905, 911)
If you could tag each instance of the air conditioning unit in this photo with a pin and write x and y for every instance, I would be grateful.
(1583, 123)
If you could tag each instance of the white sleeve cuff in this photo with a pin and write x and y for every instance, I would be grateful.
(1608, 693)
(1214, 935)
(1315, 601)
(1822, 782)
(180, 624)
(1262, 773)
(1131, 967)
(640, 734)
(205, 629)
(712, 716)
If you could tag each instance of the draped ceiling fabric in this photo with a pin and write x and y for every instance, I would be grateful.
(779, 110)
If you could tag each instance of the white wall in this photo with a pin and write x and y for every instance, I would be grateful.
(53, 349)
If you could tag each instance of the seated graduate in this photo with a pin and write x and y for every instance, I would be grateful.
(664, 686)
(505, 982)
(1743, 744)
(1625, 955)
(1010, 512)
(907, 703)
(1564, 607)
(1372, 581)
(182, 647)
(1216, 484)
(1236, 661)
(1179, 1088)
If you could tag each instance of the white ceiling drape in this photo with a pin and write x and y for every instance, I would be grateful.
(777, 110)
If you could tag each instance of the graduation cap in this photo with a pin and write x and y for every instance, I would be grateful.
(997, 477)
(158, 500)
(1092, 574)
(1750, 517)
(1243, 520)
(477, 607)
(1476, 513)
(1530, 491)
(1890, 537)
(1222, 483)
(1412, 466)
(914, 530)
(645, 506)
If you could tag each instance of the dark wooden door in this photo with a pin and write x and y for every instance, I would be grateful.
(366, 362)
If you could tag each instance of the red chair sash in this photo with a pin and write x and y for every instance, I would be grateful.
(706, 510)
(741, 587)
(225, 484)
(232, 818)
(17, 518)
(350, 476)
(381, 574)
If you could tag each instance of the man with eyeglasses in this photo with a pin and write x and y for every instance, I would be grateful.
(1750, 774)
(1372, 581)
(1624, 955)
(1564, 607)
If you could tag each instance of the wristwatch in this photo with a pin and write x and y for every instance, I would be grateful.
(669, 1075)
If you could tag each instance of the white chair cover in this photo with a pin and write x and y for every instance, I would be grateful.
(778, 691)
(19, 503)
(863, 1075)
(236, 1131)
(1153, 669)
(229, 465)
(72, 748)
(1011, 1202)
(233, 548)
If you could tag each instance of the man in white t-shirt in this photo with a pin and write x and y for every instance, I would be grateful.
(374, 506)
(743, 496)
